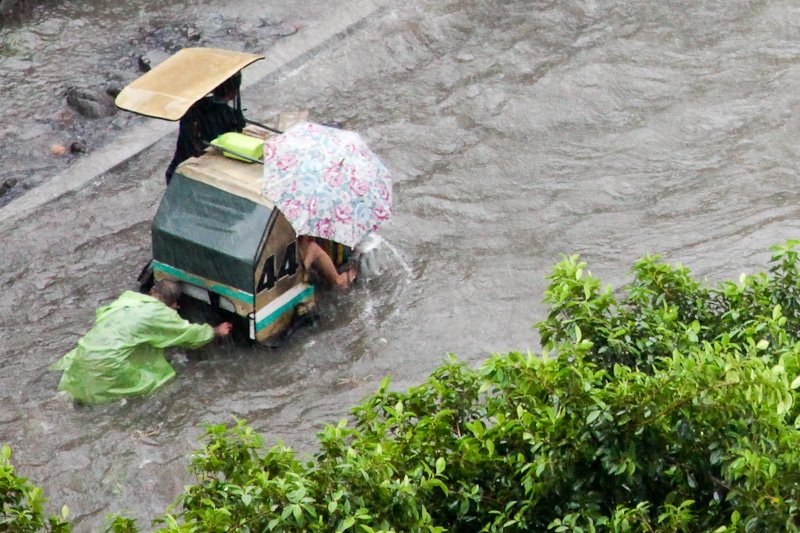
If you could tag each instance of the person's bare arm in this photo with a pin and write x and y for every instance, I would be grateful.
(312, 253)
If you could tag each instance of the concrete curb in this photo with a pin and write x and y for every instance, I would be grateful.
(329, 24)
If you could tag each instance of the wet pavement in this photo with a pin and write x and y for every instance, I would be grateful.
(519, 131)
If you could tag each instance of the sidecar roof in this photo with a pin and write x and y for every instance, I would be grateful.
(171, 87)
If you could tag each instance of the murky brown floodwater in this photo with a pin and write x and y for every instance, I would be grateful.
(519, 131)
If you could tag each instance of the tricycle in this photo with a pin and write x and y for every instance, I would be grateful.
(215, 231)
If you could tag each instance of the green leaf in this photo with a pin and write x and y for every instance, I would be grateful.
(732, 376)
(346, 524)
(436, 482)
(440, 465)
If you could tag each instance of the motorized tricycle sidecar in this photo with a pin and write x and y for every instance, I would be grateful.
(214, 232)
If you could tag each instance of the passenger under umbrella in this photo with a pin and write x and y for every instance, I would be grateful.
(314, 257)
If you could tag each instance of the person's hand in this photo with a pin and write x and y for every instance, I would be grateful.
(223, 329)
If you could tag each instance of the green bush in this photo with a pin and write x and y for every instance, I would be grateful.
(23, 503)
(666, 405)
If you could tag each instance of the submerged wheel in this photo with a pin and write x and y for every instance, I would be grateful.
(146, 278)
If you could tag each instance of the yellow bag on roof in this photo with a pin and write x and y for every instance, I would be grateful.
(235, 145)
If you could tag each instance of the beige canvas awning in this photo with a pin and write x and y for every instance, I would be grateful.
(170, 89)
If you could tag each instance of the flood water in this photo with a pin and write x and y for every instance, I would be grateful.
(518, 131)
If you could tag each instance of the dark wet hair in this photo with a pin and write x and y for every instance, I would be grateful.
(167, 291)
(229, 87)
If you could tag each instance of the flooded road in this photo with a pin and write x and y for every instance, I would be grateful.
(518, 131)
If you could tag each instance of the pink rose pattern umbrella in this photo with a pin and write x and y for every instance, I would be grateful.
(327, 182)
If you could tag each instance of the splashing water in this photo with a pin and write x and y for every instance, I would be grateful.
(367, 252)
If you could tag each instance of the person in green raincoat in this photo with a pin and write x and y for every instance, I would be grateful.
(123, 354)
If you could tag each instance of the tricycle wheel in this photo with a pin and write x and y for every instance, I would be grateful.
(146, 278)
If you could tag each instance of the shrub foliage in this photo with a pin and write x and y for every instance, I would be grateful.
(666, 405)
(23, 503)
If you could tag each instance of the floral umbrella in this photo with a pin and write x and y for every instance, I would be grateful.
(327, 182)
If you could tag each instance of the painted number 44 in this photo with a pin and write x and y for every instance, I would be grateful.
(288, 267)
